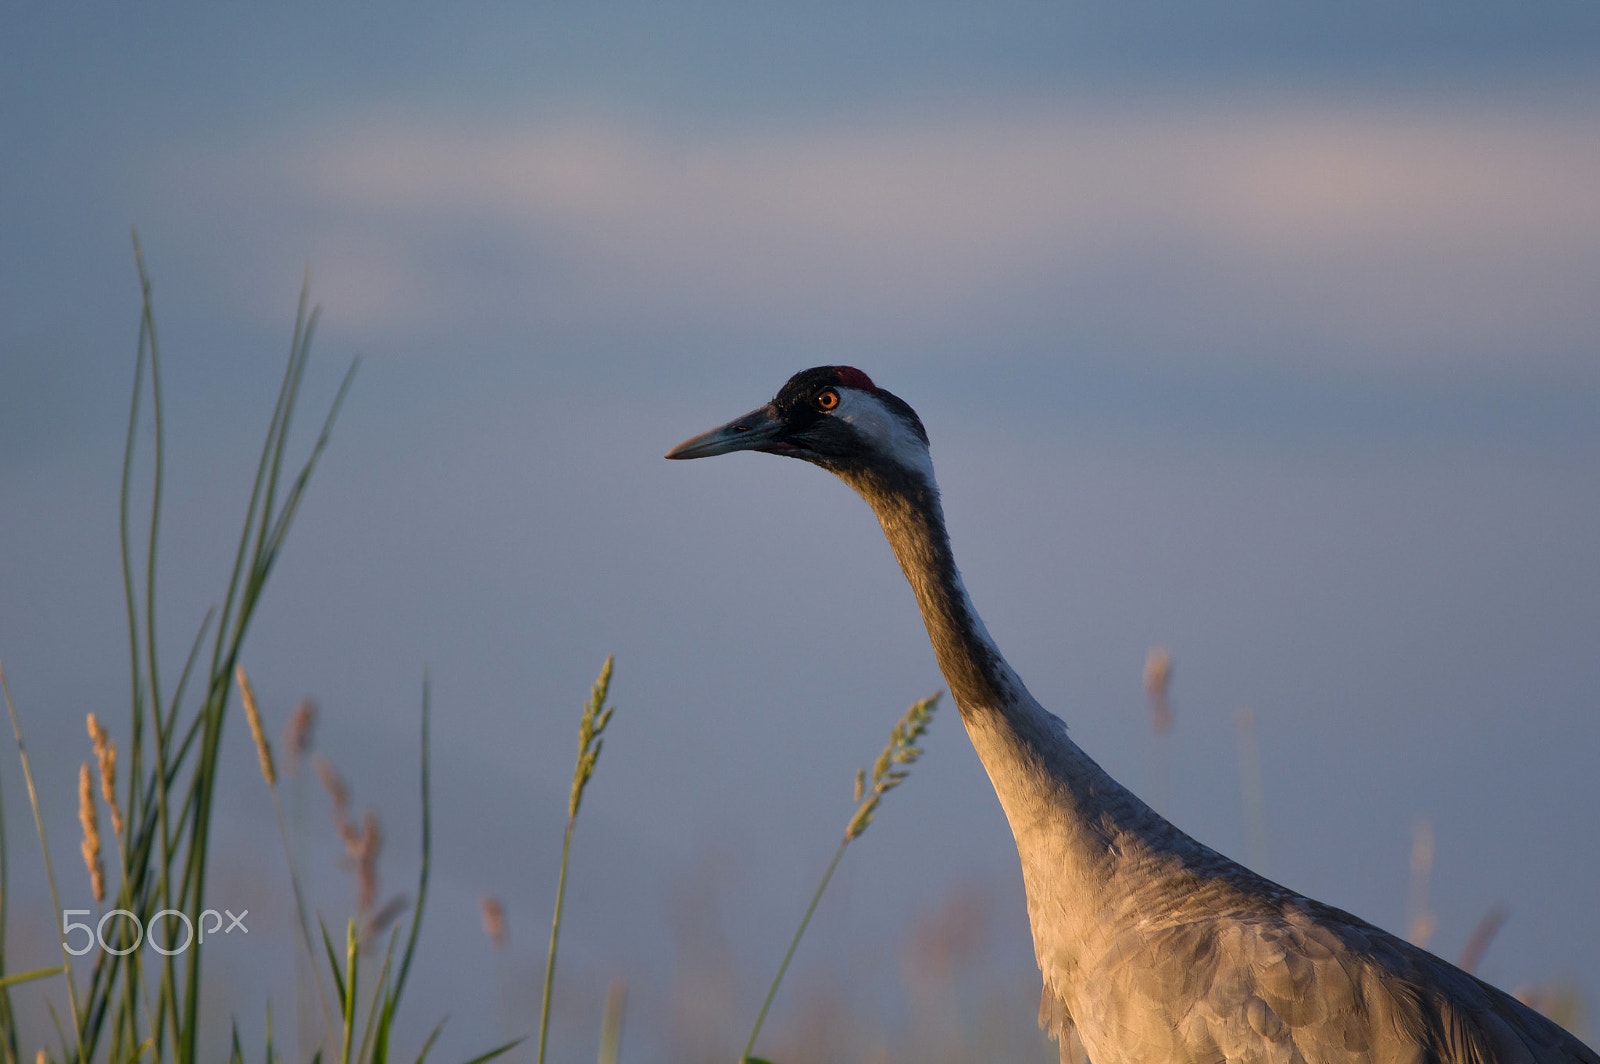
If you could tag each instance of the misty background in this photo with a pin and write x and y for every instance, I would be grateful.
(1262, 332)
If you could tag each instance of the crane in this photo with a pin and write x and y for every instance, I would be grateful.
(1154, 948)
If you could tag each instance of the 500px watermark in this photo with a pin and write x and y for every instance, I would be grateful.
(96, 935)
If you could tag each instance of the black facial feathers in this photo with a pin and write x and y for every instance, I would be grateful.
(796, 403)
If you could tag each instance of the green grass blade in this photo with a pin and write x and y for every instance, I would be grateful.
(794, 943)
(428, 1045)
(379, 1013)
(28, 977)
(299, 349)
(158, 470)
(333, 962)
(555, 934)
(186, 674)
(392, 999)
(380, 1044)
(427, 851)
(291, 502)
(8, 1023)
(50, 876)
(130, 595)
(259, 544)
(55, 1021)
(497, 1051)
(352, 961)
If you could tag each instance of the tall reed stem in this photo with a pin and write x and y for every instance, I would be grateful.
(590, 728)
(49, 870)
(794, 942)
(555, 934)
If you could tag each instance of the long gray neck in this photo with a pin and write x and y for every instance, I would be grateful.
(980, 680)
(1074, 824)
(987, 691)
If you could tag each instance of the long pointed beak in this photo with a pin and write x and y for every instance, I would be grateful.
(756, 431)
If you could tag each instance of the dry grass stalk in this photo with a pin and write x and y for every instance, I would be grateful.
(1482, 935)
(1250, 788)
(297, 734)
(91, 834)
(365, 855)
(105, 753)
(1422, 923)
(1157, 683)
(338, 794)
(379, 921)
(611, 1021)
(361, 846)
(494, 920)
(263, 751)
(1562, 1002)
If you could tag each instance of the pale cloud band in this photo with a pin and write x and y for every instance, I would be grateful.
(1439, 237)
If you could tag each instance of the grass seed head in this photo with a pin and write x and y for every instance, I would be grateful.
(1157, 681)
(108, 787)
(297, 735)
(902, 750)
(333, 783)
(494, 920)
(365, 853)
(590, 727)
(263, 750)
(105, 754)
(339, 797)
(379, 921)
(91, 834)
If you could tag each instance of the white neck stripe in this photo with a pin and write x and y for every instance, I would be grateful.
(885, 430)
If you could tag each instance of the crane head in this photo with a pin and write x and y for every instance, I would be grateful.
(833, 416)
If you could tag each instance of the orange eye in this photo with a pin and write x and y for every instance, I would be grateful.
(828, 399)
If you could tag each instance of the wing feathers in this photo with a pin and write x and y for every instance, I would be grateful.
(1297, 984)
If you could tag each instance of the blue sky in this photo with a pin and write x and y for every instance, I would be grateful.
(1264, 332)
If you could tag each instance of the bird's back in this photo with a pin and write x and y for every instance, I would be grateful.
(1156, 949)
(1212, 964)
